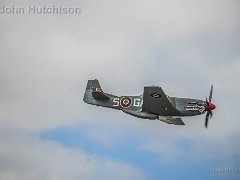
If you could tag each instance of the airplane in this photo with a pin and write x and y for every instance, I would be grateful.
(153, 104)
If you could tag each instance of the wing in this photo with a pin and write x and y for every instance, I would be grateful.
(176, 121)
(155, 101)
(172, 120)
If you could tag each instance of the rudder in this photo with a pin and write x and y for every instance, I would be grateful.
(94, 91)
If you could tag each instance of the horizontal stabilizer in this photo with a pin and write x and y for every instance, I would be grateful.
(99, 95)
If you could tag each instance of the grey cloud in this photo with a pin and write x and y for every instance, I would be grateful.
(24, 156)
(184, 47)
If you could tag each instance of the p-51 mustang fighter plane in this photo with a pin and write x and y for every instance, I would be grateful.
(153, 104)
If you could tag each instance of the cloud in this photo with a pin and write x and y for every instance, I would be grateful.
(24, 156)
(46, 61)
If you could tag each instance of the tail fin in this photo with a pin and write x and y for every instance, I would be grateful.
(93, 85)
(94, 91)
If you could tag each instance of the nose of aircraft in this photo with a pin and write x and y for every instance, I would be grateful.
(209, 106)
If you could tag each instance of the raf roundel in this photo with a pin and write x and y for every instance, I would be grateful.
(125, 102)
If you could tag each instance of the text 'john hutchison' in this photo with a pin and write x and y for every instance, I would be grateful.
(33, 9)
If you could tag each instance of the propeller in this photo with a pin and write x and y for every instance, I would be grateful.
(209, 107)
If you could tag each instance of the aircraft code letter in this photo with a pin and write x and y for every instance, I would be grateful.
(115, 101)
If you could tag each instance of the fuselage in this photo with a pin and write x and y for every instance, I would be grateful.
(133, 105)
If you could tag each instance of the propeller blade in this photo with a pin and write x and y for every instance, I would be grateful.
(211, 114)
(207, 101)
(207, 117)
(210, 95)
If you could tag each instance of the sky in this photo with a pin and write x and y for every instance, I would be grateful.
(48, 132)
